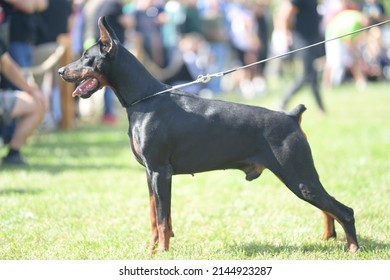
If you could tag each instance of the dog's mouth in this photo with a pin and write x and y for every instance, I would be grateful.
(86, 87)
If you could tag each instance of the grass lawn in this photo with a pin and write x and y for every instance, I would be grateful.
(85, 196)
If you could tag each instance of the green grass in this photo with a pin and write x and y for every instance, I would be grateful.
(85, 197)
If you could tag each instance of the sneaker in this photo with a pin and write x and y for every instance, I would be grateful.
(15, 160)
(109, 119)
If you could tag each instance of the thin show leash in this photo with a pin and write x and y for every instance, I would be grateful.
(206, 78)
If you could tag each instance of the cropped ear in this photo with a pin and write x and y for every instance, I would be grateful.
(107, 37)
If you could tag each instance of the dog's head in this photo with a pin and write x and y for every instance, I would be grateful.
(90, 71)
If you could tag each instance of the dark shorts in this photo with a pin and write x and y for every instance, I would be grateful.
(7, 103)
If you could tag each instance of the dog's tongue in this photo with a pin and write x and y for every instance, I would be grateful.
(85, 87)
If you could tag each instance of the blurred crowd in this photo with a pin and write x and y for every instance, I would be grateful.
(178, 40)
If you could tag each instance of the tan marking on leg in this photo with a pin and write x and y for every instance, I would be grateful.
(329, 229)
(153, 220)
(164, 235)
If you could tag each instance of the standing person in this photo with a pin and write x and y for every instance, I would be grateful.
(374, 10)
(54, 22)
(262, 17)
(345, 53)
(192, 20)
(148, 15)
(243, 31)
(89, 15)
(215, 32)
(299, 21)
(169, 30)
(113, 11)
(28, 104)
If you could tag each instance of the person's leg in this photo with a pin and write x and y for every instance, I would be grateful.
(298, 84)
(109, 106)
(22, 54)
(311, 74)
(356, 67)
(30, 115)
(335, 63)
(301, 78)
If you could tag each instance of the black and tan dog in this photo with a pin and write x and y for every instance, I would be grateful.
(178, 133)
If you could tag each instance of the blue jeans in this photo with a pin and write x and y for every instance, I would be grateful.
(109, 103)
(22, 54)
(220, 51)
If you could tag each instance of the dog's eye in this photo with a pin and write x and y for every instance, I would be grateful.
(89, 60)
(105, 48)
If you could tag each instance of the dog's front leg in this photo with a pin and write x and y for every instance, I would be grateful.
(153, 215)
(160, 199)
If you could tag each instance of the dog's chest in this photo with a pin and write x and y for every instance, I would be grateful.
(135, 147)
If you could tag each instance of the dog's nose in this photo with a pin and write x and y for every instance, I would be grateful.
(61, 71)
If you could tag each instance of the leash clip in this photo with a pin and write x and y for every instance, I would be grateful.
(204, 79)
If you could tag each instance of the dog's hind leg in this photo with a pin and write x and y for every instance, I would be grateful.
(317, 196)
(313, 192)
(296, 170)
(329, 230)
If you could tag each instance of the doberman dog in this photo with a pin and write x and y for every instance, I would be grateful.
(179, 133)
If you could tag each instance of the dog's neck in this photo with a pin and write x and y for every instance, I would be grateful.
(130, 80)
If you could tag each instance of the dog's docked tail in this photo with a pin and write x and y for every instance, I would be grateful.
(297, 112)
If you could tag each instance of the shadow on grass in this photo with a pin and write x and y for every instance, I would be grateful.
(370, 245)
(58, 168)
(99, 141)
(83, 156)
(19, 191)
(84, 148)
(80, 148)
(256, 249)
